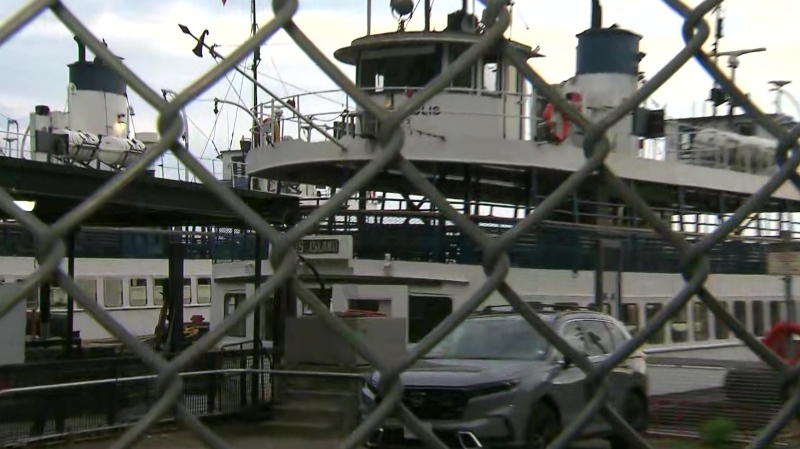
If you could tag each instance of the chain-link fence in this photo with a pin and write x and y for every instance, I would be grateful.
(51, 247)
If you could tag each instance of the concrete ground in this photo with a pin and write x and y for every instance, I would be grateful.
(239, 436)
(252, 436)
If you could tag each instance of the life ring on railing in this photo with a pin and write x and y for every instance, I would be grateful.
(777, 340)
(550, 114)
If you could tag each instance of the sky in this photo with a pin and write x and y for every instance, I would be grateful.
(145, 33)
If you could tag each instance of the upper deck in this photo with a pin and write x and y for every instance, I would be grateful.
(485, 136)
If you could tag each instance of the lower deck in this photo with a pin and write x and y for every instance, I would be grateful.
(424, 293)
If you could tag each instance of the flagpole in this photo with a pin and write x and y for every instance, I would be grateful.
(256, 135)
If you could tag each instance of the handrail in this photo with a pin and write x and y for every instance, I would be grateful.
(400, 212)
(86, 383)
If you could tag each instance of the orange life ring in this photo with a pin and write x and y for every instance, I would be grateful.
(549, 117)
(777, 340)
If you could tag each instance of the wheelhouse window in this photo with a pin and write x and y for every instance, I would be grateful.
(465, 79)
(492, 74)
(411, 66)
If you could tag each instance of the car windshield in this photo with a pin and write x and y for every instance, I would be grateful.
(495, 338)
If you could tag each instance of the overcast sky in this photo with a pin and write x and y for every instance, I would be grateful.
(145, 32)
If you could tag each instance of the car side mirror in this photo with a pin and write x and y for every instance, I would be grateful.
(564, 362)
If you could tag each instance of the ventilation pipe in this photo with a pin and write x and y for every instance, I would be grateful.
(597, 14)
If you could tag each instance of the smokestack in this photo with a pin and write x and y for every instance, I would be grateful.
(81, 50)
(597, 14)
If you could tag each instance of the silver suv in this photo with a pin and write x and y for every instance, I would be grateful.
(495, 382)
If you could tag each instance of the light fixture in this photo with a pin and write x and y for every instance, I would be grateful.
(27, 206)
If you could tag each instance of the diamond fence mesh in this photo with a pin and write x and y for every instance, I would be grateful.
(51, 247)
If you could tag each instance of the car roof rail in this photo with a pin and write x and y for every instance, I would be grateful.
(539, 307)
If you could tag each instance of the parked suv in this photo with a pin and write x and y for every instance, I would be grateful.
(495, 382)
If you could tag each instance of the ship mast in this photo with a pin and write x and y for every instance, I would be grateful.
(255, 134)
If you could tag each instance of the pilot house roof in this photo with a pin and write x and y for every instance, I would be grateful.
(400, 39)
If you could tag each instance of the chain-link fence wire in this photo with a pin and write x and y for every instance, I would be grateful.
(51, 247)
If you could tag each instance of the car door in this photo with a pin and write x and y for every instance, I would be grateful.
(569, 381)
(599, 346)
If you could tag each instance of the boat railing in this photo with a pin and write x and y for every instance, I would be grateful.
(282, 123)
(15, 143)
(733, 151)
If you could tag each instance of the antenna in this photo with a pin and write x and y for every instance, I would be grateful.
(256, 135)
(733, 64)
(716, 96)
(780, 93)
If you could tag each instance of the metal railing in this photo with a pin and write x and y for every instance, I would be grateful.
(389, 146)
(166, 167)
(49, 400)
(325, 118)
(697, 397)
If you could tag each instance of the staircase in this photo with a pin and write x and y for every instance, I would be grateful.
(315, 406)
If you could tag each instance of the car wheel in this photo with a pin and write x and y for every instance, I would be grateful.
(544, 425)
(635, 413)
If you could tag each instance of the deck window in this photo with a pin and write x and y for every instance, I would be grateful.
(89, 286)
(203, 291)
(758, 318)
(58, 297)
(187, 290)
(722, 332)
(160, 291)
(137, 294)
(112, 293)
(679, 329)
(231, 302)
(740, 312)
(629, 315)
(700, 320)
(651, 310)
(775, 312)
(425, 313)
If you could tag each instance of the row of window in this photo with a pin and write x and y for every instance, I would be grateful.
(697, 324)
(130, 292)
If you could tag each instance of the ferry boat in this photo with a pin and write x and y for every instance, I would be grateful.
(125, 269)
(494, 146)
